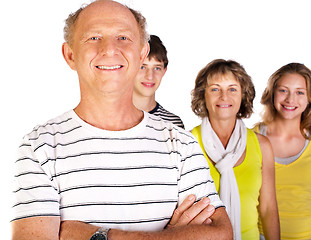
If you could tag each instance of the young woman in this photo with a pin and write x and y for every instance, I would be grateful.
(287, 124)
(241, 162)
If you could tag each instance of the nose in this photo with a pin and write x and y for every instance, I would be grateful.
(149, 74)
(108, 46)
(290, 97)
(223, 95)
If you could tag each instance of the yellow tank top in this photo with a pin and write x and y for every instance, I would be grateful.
(248, 176)
(293, 193)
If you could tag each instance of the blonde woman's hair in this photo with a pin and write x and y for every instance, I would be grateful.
(267, 98)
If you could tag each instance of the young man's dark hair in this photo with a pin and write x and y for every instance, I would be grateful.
(157, 50)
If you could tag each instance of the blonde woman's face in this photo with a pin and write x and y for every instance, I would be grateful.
(290, 96)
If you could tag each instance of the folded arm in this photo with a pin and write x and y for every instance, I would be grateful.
(219, 228)
(190, 221)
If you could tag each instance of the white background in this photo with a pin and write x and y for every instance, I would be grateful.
(36, 83)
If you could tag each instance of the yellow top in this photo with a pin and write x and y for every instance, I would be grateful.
(248, 176)
(293, 192)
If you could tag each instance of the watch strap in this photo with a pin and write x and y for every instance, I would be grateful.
(101, 233)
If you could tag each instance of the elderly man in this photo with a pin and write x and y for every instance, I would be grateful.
(107, 170)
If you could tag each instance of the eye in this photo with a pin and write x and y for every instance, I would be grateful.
(300, 93)
(123, 38)
(282, 91)
(142, 67)
(214, 89)
(157, 68)
(94, 38)
(232, 90)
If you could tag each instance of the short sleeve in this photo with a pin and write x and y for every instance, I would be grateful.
(34, 192)
(195, 177)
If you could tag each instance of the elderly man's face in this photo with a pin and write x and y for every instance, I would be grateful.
(107, 51)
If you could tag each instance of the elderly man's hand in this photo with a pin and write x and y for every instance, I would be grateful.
(190, 213)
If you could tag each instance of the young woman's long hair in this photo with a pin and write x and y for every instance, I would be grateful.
(267, 98)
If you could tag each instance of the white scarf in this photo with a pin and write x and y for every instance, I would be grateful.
(225, 160)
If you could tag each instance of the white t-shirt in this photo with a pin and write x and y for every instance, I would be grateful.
(129, 180)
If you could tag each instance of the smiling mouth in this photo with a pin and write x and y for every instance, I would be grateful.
(149, 85)
(101, 67)
(289, 108)
(223, 105)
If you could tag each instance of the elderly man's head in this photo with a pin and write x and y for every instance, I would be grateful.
(106, 44)
(71, 21)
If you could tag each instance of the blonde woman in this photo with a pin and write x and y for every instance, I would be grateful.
(241, 162)
(287, 124)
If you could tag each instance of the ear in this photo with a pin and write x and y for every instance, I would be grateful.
(144, 52)
(163, 73)
(68, 55)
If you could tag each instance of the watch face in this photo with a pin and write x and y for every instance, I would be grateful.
(98, 236)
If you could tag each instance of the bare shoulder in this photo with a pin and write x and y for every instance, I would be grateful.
(264, 142)
(266, 149)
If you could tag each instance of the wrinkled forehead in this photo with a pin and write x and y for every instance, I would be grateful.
(215, 77)
(109, 13)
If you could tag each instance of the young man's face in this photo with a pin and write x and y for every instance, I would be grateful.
(149, 77)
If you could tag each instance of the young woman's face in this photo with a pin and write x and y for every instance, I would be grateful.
(223, 96)
(290, 96)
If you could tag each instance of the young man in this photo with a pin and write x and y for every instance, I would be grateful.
(149, 79)
(106, 170)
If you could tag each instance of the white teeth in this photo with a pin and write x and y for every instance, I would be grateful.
(109, 68)
(146, 84)
(289, 108)
(226, 105)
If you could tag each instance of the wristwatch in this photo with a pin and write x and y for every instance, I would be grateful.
(100, 234)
